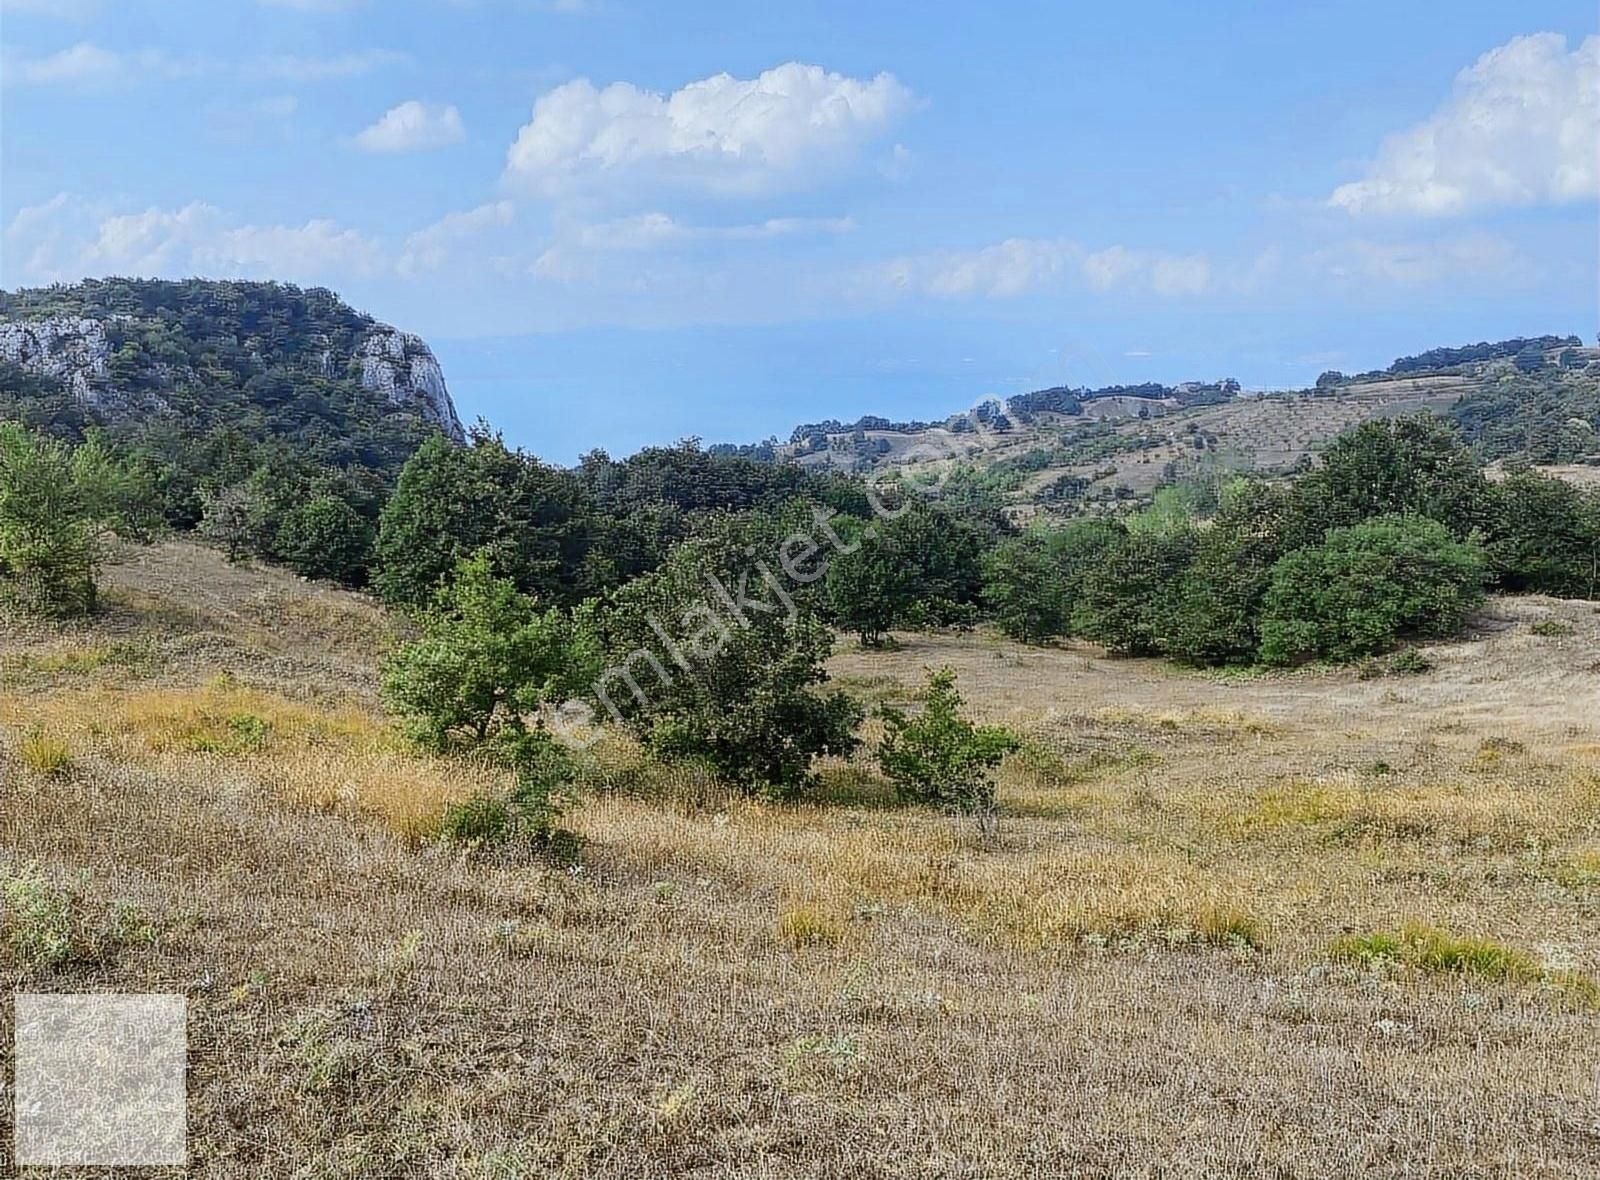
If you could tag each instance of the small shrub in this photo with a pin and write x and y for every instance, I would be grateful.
(1582, 871)
(479, 820)
(44, 753)
(942, 759)
(36, 923)
(1368, 949)
(531, 809)
(1551, 628)
(1409, 662)
(1229, 927)
(1494, 750)
(1437, 950)
(44, 926)
(240, 733)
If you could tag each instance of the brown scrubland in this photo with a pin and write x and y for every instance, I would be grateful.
(1308, 924)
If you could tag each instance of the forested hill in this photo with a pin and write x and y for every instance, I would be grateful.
(265, 360)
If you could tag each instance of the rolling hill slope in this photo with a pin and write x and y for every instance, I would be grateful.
(1064, 449)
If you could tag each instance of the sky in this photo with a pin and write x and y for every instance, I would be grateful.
(622, 222)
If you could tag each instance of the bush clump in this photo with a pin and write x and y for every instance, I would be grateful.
(941, 759)
(1367, 587)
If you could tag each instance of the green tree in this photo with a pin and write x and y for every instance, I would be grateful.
(1367, 587)
(1026, 588)
(230, 518)
(1415, 465)
(872, 587)
(710, 660)
(1546, 537)
(58, 504)
(451, 502)
(326, 538)
(941, 759)
(1128, 597)
(1214, 613)
(487, 657)
(946, 550)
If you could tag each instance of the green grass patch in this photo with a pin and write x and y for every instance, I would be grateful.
(1438, 952)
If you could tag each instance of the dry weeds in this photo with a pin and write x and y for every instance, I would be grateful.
(1292, 925)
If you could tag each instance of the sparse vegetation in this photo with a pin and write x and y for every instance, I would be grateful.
(1206, 837)
(1431, 950)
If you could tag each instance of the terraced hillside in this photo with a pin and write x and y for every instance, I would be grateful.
(1116, 448)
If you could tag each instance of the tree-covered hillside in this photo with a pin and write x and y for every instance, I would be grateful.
(237, 402)
(181, 365)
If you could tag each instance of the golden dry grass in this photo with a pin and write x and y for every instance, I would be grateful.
(1293, 925)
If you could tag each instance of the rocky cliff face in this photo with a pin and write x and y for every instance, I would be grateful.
(77, 351)
(403, 368)
(70, 349)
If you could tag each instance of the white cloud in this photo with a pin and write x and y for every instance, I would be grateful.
(413, 127)
(303, 68)
(86, 64)
(75, 10)
(431, 248)
(253, 122)
(577, 253)
(1473, 257)
(67, 238)
(647, 231)
(1521, 128)
(721, 135)
(1188, 274)
(1022, 266)
(312, 5)
(83, 63)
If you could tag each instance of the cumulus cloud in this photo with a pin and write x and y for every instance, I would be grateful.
(431, 248)
(67, 238)
(1022, 266)
(413, 127)
(1520, 128)
(721, 135)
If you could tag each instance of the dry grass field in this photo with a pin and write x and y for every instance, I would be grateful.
(1297, 925)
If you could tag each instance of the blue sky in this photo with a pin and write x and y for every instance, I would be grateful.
(622, 222)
